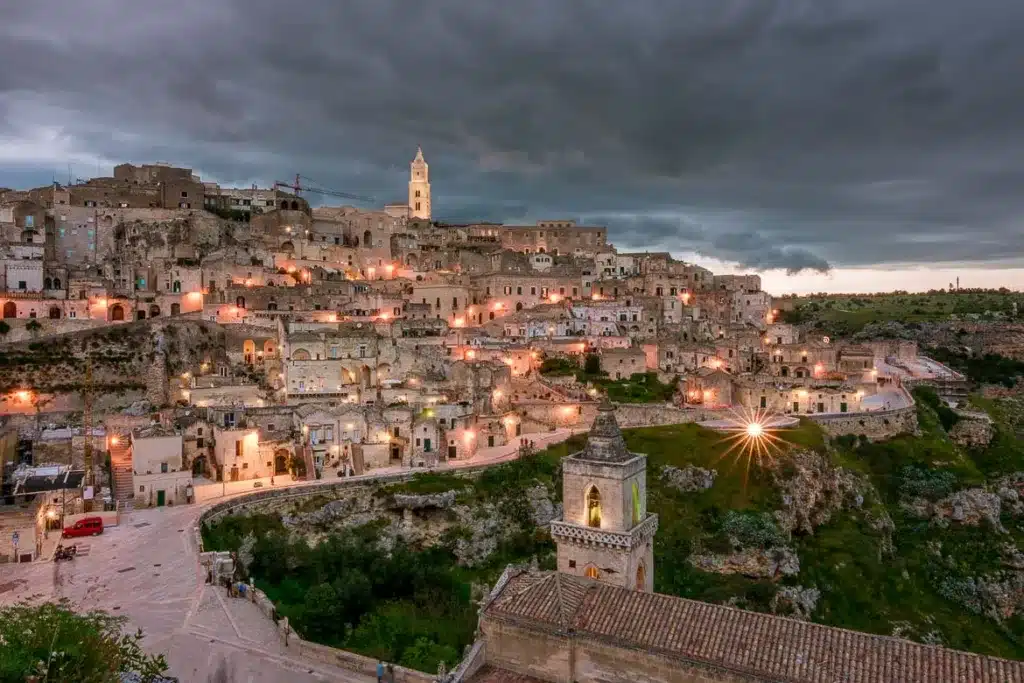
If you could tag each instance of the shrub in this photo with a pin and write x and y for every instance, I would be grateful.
(924, 483)
(757, 529)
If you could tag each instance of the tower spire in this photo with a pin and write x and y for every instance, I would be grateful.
(419, 187)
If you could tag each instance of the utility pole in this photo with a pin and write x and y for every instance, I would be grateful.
(87, 428)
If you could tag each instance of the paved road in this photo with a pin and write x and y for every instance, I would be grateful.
(147, 569)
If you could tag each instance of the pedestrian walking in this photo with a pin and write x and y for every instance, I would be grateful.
(380, 671)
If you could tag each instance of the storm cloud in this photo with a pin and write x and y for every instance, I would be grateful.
(773, 134)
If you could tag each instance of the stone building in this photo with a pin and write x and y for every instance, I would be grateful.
(606, 533)
(597, 619)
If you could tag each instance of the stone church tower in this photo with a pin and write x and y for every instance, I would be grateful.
(419, 187)
(606, 532)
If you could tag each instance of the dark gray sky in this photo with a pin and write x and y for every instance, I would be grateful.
(795, 134)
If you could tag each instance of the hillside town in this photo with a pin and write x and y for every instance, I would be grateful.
(337, 341)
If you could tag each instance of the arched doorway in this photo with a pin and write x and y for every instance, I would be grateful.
(784, 372)
(295, 206)
(176, 287)
(10, 310)
(281, 462)
(287, 246)
(140, 314)
(367, 238)
(284, 205)
(56, 283)
(300, 354)
(240, 301)
(593, 507)
(154, 311)
(47, 283)
(199, 466)
(519, 305)
(249, 350)
(117, 312)
(641, 577)
(54, 312)
(175, 309)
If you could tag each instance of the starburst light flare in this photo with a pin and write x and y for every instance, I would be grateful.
(752, 438)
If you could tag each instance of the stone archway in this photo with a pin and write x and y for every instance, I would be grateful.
(281, 458)
(54, 312)
(175, 309)
(199, 466)
(641, 577)
(117, 312)
(10, 310)
(154, 311)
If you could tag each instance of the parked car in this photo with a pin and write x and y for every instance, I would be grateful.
(87, 526)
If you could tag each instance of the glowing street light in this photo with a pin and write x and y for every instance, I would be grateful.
(755, 430)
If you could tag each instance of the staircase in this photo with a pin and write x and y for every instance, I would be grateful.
(121, 462)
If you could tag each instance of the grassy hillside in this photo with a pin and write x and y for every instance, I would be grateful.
(846, 314)
(869, 561)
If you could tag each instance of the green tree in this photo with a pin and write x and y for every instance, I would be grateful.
(321, 614)
(592, 364)
(4, 328)
(59, 645)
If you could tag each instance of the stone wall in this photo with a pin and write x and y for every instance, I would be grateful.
(876, 425)
(18, 333)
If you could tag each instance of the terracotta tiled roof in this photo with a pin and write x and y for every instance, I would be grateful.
(491, 674)
(759, 645)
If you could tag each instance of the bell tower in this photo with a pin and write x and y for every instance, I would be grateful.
(606, 532)
(419, 187)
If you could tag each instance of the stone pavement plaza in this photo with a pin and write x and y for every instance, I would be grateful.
(147, 569)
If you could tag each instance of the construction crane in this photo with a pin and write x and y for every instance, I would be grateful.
(311, 187)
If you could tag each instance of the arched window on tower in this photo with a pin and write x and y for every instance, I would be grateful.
(641, 577)
(591, 572)
(594, 507)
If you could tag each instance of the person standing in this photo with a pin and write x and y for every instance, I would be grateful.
(380, 671)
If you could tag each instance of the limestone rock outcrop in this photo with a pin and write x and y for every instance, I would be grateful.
(440, 501)
(773, 563)
(689, 478)
(972, 433)
(969, 507)
(813, 489)
(796, 602)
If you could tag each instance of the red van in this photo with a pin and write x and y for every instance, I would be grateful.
(87, 526)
